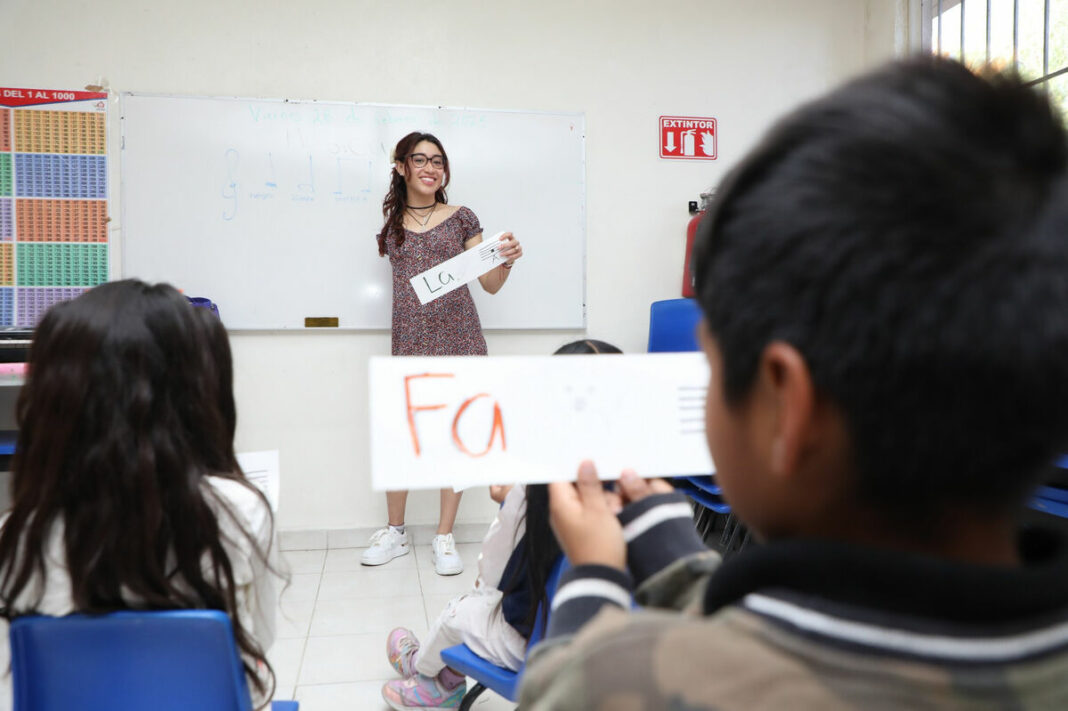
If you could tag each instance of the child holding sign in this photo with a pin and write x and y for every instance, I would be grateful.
(884, 284)
(496, 618)
(422, 230)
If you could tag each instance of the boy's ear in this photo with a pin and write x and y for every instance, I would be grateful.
(788, 386)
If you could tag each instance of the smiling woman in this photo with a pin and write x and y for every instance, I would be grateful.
(422, 230)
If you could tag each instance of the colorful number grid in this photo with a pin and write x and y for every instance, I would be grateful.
(34, 302)
(60, 176)
(62, 221)
(5, 174)
(59, 132)
(7, 306)
(5, 129)
(7, 227)
(53, 209)
(62, 264)
(7, 264)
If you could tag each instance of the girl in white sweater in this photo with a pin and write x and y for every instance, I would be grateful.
(126, 492)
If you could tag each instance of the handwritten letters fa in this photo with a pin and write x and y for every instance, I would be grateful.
(465, 421)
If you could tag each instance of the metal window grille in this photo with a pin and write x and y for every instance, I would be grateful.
(964, 30)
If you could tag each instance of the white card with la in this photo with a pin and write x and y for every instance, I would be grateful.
(468, 421)
(454, 273)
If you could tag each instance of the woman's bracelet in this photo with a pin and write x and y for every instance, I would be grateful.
(506, 265)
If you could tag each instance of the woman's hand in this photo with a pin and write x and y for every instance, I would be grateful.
(510, 250)
(583, 516)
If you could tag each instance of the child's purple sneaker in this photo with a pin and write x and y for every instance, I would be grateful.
(401, 646)
(423, 692)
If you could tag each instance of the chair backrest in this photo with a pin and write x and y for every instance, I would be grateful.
(551, 584)
(160, 660)
(673, 326)
(204, 303)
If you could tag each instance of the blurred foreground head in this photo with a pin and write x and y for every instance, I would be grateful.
(907, 234)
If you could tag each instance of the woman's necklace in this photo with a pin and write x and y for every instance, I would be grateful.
(422, 223)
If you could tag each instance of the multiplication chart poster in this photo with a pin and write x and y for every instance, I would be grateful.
(53, 199)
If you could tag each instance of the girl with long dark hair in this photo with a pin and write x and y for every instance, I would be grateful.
(422, 230)
(497, 617)
(126, 493)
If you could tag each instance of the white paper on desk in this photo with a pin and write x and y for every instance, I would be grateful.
(454, 273)
(261, 468)
(531, 419)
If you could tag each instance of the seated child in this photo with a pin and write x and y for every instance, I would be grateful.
(495, 619)
(884, 282)
(126, 493)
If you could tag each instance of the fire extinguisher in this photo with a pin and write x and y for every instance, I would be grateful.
(691, 233)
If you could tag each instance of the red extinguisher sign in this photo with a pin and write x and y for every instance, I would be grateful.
(688, 137)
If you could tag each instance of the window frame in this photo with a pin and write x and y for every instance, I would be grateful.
(932, 13)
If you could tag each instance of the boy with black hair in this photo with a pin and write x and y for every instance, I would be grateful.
(884, 282)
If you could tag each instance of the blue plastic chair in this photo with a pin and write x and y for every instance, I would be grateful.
(164, 660)
(1052, 493)
(1055, 508)
(1052, 499)
(704, 492)
(204, 303)
(673, 326)
(490, 676)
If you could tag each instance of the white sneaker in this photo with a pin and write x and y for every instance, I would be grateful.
(446, 559)
(386, 544)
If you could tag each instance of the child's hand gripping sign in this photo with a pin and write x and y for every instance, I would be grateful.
(464, 421)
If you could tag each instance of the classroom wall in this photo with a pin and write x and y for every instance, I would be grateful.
(623, 63)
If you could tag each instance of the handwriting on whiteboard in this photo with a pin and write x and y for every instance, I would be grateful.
(340, 177)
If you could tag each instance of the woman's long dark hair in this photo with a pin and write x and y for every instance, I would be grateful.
(126, 408)
(539, 552)
(397, 198)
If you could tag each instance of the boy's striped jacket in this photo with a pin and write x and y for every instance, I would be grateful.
(802, 624)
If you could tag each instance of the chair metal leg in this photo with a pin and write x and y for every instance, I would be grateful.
(736, 532)
(711, 536)
(728, 529)
(469, 698)
(702, 520)
(737, 540)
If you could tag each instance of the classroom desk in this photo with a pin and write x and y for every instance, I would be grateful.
(14, 350)
(14, 344)
(7, 448)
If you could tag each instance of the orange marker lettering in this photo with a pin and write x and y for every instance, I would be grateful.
(498, 426)
(412, 410)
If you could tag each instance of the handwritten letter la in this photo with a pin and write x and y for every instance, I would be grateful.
(454, 273)
(466, 421)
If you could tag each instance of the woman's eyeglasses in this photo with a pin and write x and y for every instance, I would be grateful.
(420, 159)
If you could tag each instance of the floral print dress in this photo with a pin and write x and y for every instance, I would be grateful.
(448, 325)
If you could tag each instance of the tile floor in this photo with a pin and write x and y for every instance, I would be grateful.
(334, 617)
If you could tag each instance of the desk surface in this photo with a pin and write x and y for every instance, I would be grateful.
(14, 345)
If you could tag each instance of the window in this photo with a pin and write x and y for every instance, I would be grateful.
(1031, 35)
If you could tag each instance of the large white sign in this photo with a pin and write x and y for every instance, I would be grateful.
(466, 421)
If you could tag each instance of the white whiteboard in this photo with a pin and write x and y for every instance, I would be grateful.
(270, 207)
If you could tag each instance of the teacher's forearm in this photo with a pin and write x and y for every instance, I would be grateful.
(495, 279)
